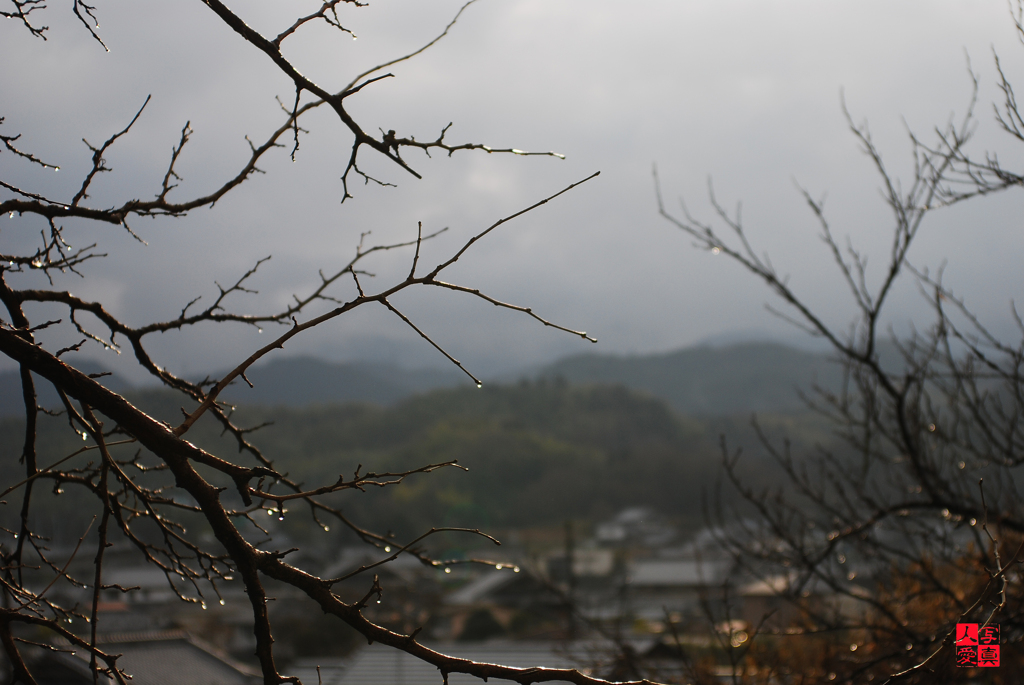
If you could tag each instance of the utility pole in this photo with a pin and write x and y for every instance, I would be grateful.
(570, 570)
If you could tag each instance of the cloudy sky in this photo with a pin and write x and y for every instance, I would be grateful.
(744, 92)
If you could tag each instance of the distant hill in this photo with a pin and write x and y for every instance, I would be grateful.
(709, 381)
(536, 453)
(11, 403)
(300, 381)
(699, 381)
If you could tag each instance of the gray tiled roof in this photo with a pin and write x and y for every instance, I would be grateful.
(176, 662)
(380, 665)
(676, 573)
(331, 670)
(173, 658)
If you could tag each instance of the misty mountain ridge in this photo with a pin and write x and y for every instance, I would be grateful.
(710, 381)
(697, 381)
(287, 381)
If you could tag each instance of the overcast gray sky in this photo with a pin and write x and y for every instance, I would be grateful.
(746, 92)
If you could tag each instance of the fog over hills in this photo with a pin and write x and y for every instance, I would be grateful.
(696, 381)
(299, 381)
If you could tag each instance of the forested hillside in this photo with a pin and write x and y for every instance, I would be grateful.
(537, 453)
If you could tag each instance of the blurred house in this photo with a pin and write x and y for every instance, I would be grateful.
(678, 586)
(635, 527)
(412, 590)
(636, 578)
(520, 602)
